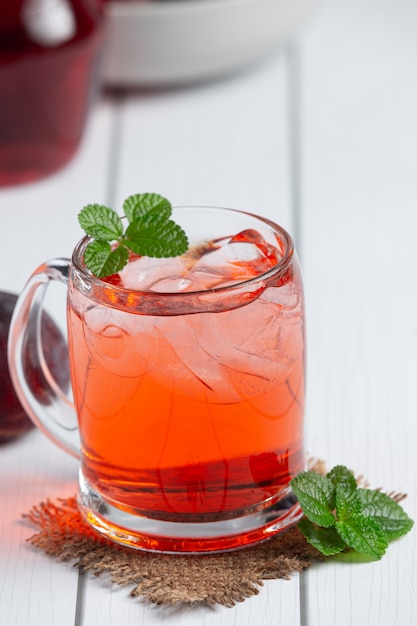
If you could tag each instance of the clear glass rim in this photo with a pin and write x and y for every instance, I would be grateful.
(275, 272)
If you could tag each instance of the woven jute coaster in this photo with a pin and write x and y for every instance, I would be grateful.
(224, 578)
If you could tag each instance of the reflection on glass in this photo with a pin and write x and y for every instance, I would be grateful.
(49, 22)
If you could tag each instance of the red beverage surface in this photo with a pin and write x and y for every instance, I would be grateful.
(193, 416)
(47, 80)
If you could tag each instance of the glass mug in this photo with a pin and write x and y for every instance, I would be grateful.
(188, 382)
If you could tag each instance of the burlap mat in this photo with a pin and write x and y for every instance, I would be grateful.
(224, 578)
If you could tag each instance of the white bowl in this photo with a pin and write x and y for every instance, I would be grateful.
(169, 42)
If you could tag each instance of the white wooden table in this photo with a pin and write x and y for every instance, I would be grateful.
(322, 137)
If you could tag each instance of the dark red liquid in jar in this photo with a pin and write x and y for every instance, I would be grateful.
(49, 53)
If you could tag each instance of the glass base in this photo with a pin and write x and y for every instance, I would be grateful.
(142, 533)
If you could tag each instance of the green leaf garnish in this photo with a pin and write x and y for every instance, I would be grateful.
(341, 475)
(339, 516)
(100, 222)
(325, 540)
(149, 232)
(386, 512)
(153, 235)
(316, 495)
(103, 260)
(347, 502)
(141, 203)
(363, 535)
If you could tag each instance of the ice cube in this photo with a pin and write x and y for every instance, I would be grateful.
(226, 357)
(123, 343)
(146, 274)
(204, 266)
(186, 368)
(242, 257)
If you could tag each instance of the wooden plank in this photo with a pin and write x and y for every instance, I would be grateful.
(277, 603)
(34, 589)
(223, 143)
(39, 222)
(359, 193)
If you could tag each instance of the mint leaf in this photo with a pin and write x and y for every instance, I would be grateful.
(325, 540)
(340, 475)
(155, 236)
(339, 515)
(363, 535)
(102, 260)
(140, 204)
(100, 222)
(387, 513)
(150, 232)
(347, 501)
(316, 495)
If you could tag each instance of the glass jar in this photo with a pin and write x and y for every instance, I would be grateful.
(49, 53)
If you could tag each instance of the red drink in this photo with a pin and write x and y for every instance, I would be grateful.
(48, 73)
(188, 378)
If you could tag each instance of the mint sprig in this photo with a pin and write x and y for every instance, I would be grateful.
(340, 516)
(150, 231)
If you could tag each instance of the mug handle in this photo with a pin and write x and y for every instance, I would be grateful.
(45, 403)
